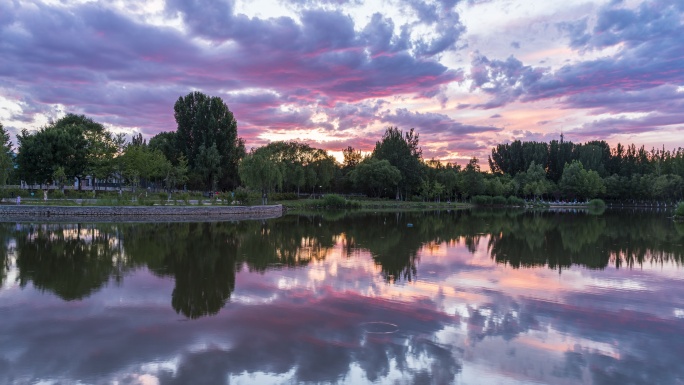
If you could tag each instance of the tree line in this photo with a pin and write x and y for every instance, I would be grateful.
(205, 153)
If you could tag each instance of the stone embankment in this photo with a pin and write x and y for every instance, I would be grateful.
(139, 213)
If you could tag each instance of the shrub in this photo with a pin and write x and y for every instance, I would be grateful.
(499, 201)
(482, 200)
(597, 204)
(679, 211)
(243, 195)
(185, 197)
(57, 194)
(333, 200)
(515, 201)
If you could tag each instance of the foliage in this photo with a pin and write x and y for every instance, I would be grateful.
(679, 211)
(376, 176)
(515, 201)
(534, 182)
(74, 142)
(499, 201)
(207, 136)
(260, 171)
(482, 200)
(402, 152)
(334, 200)
(597, 203)
(57, 194)
(472, 181)
(139, 162)
(302, 167)
(242, 195)
(6, 157)
(577, 182)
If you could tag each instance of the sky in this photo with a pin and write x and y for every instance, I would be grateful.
(466, 74)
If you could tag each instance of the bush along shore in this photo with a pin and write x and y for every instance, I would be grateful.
(679, 212)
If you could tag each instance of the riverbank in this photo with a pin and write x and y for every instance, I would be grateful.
(139, 213)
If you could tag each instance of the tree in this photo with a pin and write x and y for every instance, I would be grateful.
(376, 176)
(352, 158)
(534, 182)
(75, 142)
(141, 163)
(6, 161)
(576, 182)
(302, 166)
(178, 174)
(166, 143)
(472, 180)
(260, 171)
(402, 151)
(206, 129)
(208, 166)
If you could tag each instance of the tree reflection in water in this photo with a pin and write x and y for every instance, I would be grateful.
(75, 260)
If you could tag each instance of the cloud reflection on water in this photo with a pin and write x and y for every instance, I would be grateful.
(289, 316)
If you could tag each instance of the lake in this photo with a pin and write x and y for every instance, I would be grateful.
(466, 297)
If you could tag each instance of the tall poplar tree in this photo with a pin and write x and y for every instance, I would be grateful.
(206, 124)
(6, 162)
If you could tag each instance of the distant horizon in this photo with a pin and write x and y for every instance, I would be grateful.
(467, 75)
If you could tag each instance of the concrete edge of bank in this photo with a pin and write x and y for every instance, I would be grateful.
(139, 213)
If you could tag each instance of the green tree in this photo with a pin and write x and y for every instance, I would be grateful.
(6, 161)
(166, 143)
(472, 181)
(177, 175)
(448, 178)
(59, 178)
(534, 182)
(376, 176)
(260, 171)
(140, 163)
(401, 151)
(208, 166)
(576, 182)
(207, 129)
(77, 143)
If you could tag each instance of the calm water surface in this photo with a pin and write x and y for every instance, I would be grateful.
(386, 298)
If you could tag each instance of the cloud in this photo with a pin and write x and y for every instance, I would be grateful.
(506, 79)
(605, 128)
(428, 123)
(649, 55)
(122, 71)
(258, 342)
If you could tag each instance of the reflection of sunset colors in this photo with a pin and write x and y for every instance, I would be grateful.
(466, 74)
(291, 300)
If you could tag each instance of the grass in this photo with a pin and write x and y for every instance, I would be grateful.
(369, 204)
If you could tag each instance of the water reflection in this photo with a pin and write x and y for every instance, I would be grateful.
(475, 296)
(73, 261)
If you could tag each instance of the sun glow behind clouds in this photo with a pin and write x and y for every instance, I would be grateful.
(286, 68)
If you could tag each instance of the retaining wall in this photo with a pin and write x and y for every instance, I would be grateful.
(139, 213)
